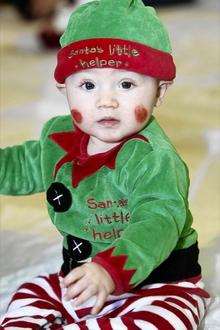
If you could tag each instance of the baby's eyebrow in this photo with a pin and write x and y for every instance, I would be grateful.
(127, 75)
(85, 76)
(116, 74)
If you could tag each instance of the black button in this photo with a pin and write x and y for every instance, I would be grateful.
(59, 197)
(78, 248)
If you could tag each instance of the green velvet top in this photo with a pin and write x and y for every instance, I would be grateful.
(132, 211)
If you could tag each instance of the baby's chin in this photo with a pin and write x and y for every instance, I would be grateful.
(112, 135)
(114, 138)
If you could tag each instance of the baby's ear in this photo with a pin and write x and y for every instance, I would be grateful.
(162, 88)
(61, 88)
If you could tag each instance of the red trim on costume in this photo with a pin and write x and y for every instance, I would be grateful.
(75, 144)
(115, 267)
(116, 54)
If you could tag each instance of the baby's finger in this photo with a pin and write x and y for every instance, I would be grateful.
(85, 295)
(73, 276)
(100, 300)
(75, 289)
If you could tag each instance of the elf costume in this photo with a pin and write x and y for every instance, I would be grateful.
(125, 209)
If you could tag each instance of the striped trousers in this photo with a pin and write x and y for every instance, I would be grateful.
(39, 304)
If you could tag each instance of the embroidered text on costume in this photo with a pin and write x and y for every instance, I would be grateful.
(112, 50)
(123, 50)
(99, 63)
(94, 204)
(114, 233)
(86, 50)
(121, 217)
(101, 54)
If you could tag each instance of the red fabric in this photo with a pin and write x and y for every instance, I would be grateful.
(99, 53)
(183, 305)
(194, 279)
(123, 309)
(115, 267)
(104, 323)
(39, 292)
(75, 144)
(165, 305)
(23, 325)
(158, 321)
(185, 293)
(129, 323)
(52, 280)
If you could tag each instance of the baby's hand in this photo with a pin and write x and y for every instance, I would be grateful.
(86, 281)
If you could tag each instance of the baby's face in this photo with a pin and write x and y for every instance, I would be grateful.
(110, 104)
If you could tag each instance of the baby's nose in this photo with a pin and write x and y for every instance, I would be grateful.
(107, 100)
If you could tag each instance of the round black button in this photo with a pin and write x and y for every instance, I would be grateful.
(78, 248)
(59, 197)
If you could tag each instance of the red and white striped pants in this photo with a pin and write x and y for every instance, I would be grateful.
(38, 304)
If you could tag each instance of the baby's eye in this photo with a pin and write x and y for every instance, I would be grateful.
(126, 84)
(88, 85)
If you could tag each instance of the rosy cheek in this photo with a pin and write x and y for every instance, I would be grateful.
(141, 114)
(77, 116)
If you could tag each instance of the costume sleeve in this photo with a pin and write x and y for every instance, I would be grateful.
(20, 169)
(158, 189)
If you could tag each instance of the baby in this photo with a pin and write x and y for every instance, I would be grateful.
(116, 188)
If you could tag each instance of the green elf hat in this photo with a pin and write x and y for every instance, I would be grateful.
(118, 34)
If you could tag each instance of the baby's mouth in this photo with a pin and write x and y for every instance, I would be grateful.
(108, 121)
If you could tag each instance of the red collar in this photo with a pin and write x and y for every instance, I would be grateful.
(75, 144)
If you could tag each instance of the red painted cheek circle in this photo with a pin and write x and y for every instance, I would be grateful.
(141, 114)
(77, 116)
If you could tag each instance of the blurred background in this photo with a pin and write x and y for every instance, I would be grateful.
(30, 31)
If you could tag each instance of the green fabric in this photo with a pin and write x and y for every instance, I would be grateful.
(144, 197)
(129, 20)
(20, 172)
